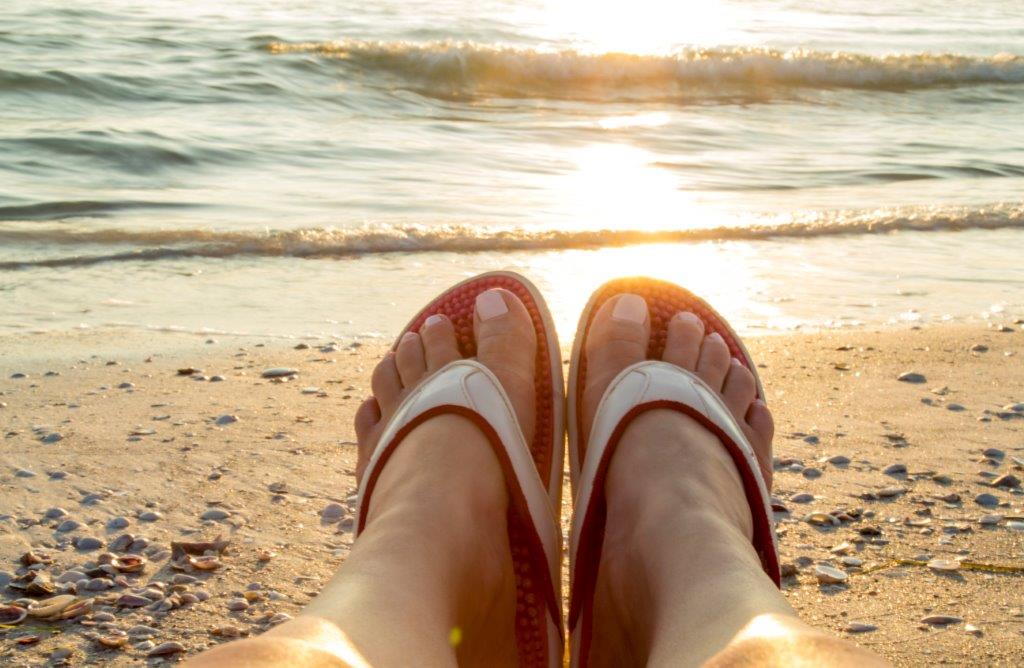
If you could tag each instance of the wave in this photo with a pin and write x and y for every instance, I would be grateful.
(153, 245)
(73, 208)
(462, 68)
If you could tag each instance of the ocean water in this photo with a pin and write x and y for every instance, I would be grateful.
(321, 168)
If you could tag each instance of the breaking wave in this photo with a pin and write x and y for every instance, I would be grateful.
(152, 245)
(463, 68)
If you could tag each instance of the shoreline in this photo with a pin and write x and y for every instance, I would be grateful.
(137, 438)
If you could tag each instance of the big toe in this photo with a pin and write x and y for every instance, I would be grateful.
(506, 343)
(618, 337)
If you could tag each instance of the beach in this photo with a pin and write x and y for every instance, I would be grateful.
(886, 536)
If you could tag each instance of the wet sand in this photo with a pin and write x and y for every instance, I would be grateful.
(104, 433)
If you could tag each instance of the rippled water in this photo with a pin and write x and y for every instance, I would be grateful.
(310, 167)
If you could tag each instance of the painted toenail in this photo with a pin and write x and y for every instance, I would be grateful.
(630, 308)
(408, 336)
(490, 305)
(687, 317)
(435, 319)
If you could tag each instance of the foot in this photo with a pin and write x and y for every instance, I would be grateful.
(618, 337)
(676, 510)
(506, 344)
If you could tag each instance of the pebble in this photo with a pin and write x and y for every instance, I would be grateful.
(144, 646)
(24, 473)
(17, 375)
(226, 419)
(238, 604)
(811, 473)
(889, 492)
(215, 514)
(955, 407)
(279, 618)
(911, 377)
(126, 386)
(52, 437)
(150, 516)
(119, 522)
(1015, 525)
(99, 584)
(972, 629)
(54, 513)
(1007, 480)
(60, 654)
(279, 372)
(839, 460)
(829, 574)
(217, 379)
(68, 525)
(803, 497)
(895, 469)
(979, 348)
(71, 576)
(332, 512)
(990, 520)
(87, 543)
(859, 627)
(944, 565)
(987, 499)
(994, 453)
(5, 578)
(167, 648)
(941, 620)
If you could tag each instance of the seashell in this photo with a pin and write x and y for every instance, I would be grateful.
(210, 563)
(27, 640)
(130, 563)
(265, 555)
(946, 565)
(121, 543)
(181, 548)
(166, 649)
(33, 583)
(77, 609)
(113, 642)
(131, 601)
(12, 614)
(51, 606)
(31, 558)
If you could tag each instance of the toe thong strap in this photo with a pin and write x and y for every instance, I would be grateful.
(637, 389)
(468, 389)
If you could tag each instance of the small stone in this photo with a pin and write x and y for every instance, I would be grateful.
(979, 348)
(987, 499)
(829, 574)
(126, 386)
(238, 604)
(279, 618)
(859, 627)
(890, 492)
(144, 646)
(803, 497)
(217, 379)
(167, 648)
(332, 512)
(990, 520)
(839, 460)
(87, 543)
(55, 513)
(941, 620)
(955, 407)
(911, 377)
(895, 469)
(52, 437)
(118, 522)
(279, 372)
(150, 516)
(1007, 480)
(68, 525)
(17, 375)
(226, 419)
(99, 584)
(789, 569)
(61, 654)
(302, 346)
(215, 514)
(812, 440)
(1015, 525)
(811, 473)
(973, 630)
(24, 473)
(994, 453)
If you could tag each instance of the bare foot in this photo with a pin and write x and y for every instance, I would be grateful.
(506, 344)
(618, 337)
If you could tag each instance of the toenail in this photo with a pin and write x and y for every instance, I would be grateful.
(715, 336)
(435, 319)
(408, 336)
(630, 308)
(490, 305)
(737, 364)
(686, 316)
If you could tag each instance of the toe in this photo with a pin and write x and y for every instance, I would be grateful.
(506, 343)
(683, 339)
(618, 337)
(761, 430)
(366, 420)
(439, 343)
(739, 389)
(713, 361)
(386, 384)
(410, 360)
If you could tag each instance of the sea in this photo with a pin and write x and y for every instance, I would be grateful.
(320, 169)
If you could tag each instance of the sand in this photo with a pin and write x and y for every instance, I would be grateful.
(286, 452)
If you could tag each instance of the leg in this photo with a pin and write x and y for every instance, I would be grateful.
(679, 582)
(429, 582)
